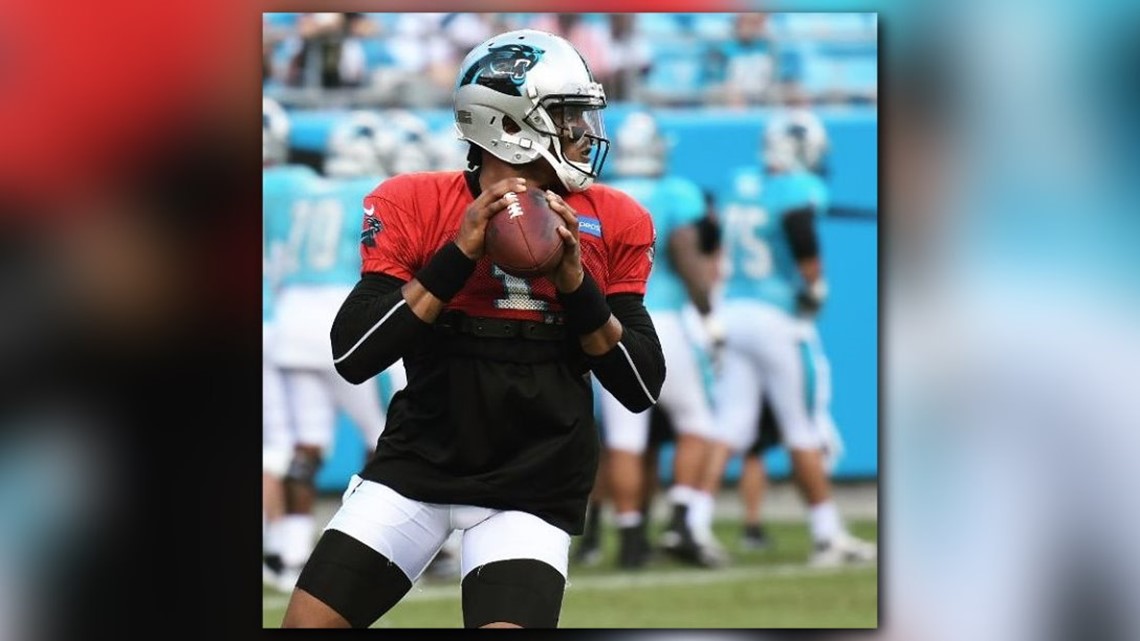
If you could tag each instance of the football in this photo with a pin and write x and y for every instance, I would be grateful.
(523, 239)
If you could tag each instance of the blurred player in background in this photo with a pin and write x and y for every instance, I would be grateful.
(276, 435)
(357, 149)
(774, 286)
(679, 277)
(319, 263)
(589, 549)
(753, 482)
(494, 434)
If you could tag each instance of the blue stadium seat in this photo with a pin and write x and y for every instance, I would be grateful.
(376, 52)
(827, 67)
(679, 70)
(797, 26)
(386, 21)
(657, 25)
(284, 21)
(713, 26)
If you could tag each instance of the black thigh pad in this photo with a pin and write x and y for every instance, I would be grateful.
(526, 592)
(358, 582)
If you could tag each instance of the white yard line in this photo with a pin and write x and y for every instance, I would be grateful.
(631, 580)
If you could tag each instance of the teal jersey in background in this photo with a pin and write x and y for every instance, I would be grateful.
(758, 262)
(322, 247)
(673, 202)
(280, 185)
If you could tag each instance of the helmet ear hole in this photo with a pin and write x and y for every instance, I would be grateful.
(510, 126)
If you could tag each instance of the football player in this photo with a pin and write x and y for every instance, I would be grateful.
(494, 434)
(774, 287)
(680, 276)
(276, 436)
(319, 264)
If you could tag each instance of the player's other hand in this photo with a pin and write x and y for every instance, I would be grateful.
(715, 333)
(473, 230)
(568, 275)
(810, 299)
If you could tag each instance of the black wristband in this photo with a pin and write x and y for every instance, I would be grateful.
(446, 272)
(586, 307)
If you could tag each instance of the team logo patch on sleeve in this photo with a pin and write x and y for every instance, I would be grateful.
(591, 226)
(372, 226)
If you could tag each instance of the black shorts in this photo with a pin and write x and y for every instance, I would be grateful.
(499, 423)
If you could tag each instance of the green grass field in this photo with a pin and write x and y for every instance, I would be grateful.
(760, 589)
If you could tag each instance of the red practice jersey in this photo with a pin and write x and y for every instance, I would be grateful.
(409, 217)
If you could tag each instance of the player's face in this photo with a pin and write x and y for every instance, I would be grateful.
(577, 128)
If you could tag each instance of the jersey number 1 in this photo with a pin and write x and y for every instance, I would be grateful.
(517, 292)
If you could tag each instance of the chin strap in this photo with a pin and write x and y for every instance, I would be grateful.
(572, 183)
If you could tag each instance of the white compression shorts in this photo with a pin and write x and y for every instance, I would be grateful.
(410, 532)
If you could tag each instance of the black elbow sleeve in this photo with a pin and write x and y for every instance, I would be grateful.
(634, 370)
(372, 328)
(799, 225)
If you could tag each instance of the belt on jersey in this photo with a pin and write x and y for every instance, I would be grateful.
(453, 322)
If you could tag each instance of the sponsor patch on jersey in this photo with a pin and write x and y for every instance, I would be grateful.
(372, 227)
(591, 226)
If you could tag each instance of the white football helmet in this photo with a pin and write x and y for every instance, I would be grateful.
(639, 147)
(795, 139)
(356, 146)
(406, 143)
(520, 93)
(274, 133)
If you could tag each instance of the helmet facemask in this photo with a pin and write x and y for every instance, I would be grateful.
(576, 135)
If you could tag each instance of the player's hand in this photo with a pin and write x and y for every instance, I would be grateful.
(833, 447)
(473, 230)
(568, 275)
(714, 331)
(810, 299)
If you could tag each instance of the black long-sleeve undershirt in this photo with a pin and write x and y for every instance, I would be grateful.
(374, 327)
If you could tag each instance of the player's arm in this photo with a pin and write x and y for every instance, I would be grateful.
(373, 327)
(696, 269)
(615, 332)
(385, 316)
(709, 233)
(799, 226)
(691, 266)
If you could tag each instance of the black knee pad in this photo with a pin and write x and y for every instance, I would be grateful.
(358, 582)
(525, 592)
(303, 467)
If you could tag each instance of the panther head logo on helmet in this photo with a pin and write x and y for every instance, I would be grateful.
(503, 67)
